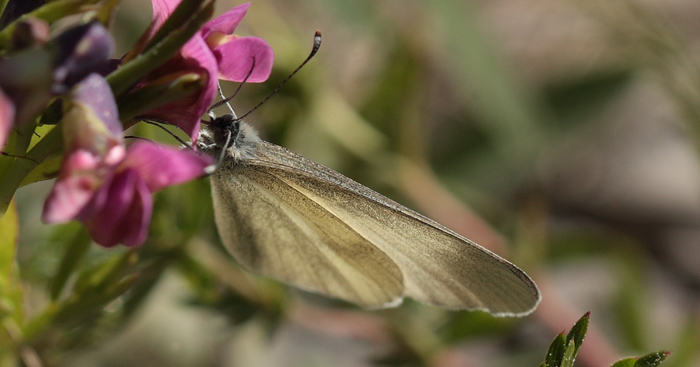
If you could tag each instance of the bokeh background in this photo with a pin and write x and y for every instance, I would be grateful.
(561, 134)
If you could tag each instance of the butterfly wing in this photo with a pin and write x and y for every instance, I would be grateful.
(273, 229)
(437, 266)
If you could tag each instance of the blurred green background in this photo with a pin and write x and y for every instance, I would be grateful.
(562, 135)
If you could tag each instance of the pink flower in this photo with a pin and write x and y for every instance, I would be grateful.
(216, 53)
(7, 118)
(118, 208)
(105, 185)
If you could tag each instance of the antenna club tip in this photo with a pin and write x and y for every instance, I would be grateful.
(317, 42)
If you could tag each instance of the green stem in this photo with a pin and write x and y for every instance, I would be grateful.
(79, 244)
(126, 76)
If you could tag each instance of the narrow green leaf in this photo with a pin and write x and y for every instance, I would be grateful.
(555, 354)
(47, 170)
(75, 310)
(9, 227)
(652, 359)
(569, 354)
(578, 332)
(77, 247)
(11, 179)
(625, 362)
(11, 296)
(104, 274)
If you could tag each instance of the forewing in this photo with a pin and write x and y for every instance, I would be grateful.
(273, 229)
(439, 266)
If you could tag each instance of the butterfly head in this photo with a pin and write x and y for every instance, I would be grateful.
(237, 139)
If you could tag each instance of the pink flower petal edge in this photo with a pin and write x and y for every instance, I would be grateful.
(114, 200)
(161, 166)
(73, 189)
(125, 215)
(7, 118)
(225, 23)
(229, 59)
(235, 60)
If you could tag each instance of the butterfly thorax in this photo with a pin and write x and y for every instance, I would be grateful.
(242, 139)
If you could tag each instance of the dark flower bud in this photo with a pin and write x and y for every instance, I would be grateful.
(81, 51)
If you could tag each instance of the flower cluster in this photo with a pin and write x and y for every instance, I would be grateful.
(68, 80)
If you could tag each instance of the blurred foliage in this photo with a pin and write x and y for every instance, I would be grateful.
(563, 350)
(518, 111)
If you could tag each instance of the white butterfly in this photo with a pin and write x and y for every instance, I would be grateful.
(284, 216)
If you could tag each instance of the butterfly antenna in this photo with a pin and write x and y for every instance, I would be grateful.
(226, 100)
(317, 44)
(158, 124)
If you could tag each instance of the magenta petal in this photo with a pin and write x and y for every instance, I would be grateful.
(236, 59)
(226, 23)
(161, 166)
(135, 225)
(68, 198)
(187, 112)
(162, 9)
(7, 118)
(74, 188)
(124, 215)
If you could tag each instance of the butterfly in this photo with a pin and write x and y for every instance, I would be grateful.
(287, 217)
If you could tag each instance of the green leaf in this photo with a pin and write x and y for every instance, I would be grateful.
(652, 359)
(578, 332)
(563, 350)
(569, 354)
(75, 310)
(649, 360)
(50, 166)
(94, 289)
(47, 170)
(105, 273)
(10, 290)
(19, 168)
(555, 354)
(626, 362)
(9, 227)
(77, 247)
(11, 297)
